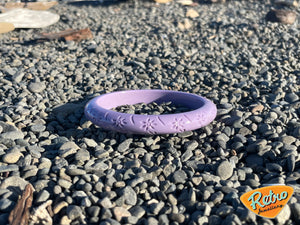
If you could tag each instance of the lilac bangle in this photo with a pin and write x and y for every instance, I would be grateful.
(98, 111)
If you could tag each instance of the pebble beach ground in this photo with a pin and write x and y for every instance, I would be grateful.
(228, 53)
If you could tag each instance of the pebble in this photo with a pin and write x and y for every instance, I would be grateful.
(73, 212)
(224, 170)
(179, 176)
(36, 87)
(124, 146)
(130, 196)
(120, 213)
(13, 135)
(12, 157)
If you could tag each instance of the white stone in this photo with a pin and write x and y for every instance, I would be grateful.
(26, 18)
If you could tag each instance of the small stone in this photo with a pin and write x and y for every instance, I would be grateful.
(284, 215)
(120, 212)
(12, 157)
(59, 206)
(38, 128)
(106, 203)
(65, 220)
(177, 217)
(288, 140)
(155, 61)
(130, 196)
(291, 97)
(36, 87)
(43, 196)
(73, 212)
(225, 210)
(93, 211)
(90, 142)
(13, 135)
(281, 16)
(64, 183)
(295, 207)
(124, 146)
(192, 13)
(224, 170)
(137, 211)
(179, 176)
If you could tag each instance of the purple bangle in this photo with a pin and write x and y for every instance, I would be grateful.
(98, 111)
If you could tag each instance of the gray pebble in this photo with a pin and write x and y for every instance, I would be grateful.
(130, 196)
(179, 176)
(36, 87)
(13, 135)
(124, 146)
(73, 212)
(224, 170)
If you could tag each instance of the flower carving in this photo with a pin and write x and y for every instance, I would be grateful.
(119, 122)
(148, 125)
(201, 119)
(178, 125)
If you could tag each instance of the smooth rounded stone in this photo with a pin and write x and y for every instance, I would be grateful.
(191, 145)
(156, 207)
(137, 211)
(90, 142)
(224, 210)
(106, 214)
(12, 157)
(296, 132)
(13, 135)
(273, 167)
(177, 217)
(295, 208)
(26, 18)
(291, 162)
(151, 220)
(217, 197)
(59, 206)
(75, 171)
(288, 140)
(64, 183)
(73, 212)
(155, 61)
(45, 163)
(93, 211)
(41, 185)
(6, 205)
(43, 196)
(65, 220)
(14, 181)
(82, 155)
(124, 146)
(254, 159)
(36, 87)
(284, 215)
(6, 127)
(38, 128)
(224, 170)
(291, 97)
(129, 195)
(69, 145)
(106, 203)
(120, 213)
(179, 177)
